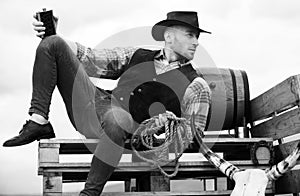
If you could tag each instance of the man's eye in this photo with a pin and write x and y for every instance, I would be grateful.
(190, 35)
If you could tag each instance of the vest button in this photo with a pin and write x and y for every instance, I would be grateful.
(139, 90)
(131, 93)
(154, 79)
(121, 98)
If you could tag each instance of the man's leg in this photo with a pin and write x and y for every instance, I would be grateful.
(117, 123)
(56, 65)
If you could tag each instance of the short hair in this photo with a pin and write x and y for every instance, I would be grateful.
(179, 27)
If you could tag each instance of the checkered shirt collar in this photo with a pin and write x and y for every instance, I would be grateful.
(162, 57)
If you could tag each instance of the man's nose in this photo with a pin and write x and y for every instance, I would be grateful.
(195, 42)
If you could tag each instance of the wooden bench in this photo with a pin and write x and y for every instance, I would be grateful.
(56, 172)
(275, 115)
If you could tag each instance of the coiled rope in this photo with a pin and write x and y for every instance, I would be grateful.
(177, 135)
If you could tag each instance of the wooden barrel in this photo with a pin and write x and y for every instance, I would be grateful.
(230, 107)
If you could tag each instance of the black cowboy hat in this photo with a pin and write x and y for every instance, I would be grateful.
(184, 18)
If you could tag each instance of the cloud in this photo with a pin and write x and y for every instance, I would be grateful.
(287, 11)
(265, 47)
(17, 57)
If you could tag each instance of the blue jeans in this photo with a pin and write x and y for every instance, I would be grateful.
(89, 108)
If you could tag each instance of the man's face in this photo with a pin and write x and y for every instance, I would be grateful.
(184, 41)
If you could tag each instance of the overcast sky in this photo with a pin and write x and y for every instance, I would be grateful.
(258, 36)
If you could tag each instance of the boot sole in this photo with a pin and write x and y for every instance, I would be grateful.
(48, 136)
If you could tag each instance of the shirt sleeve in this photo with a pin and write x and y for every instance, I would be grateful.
(197, 100)
(105, 63)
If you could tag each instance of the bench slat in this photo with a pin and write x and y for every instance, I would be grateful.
(87, 146)
(144, 165)
(130, 170)
(44, 142)
(192, 193)
(279, 126)
(196, 193)
(282, 96)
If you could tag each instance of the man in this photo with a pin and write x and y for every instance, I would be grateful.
(145, 77)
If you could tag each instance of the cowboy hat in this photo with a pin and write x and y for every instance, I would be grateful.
(184, 18)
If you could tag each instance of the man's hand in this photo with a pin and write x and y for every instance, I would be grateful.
(38, 26)
(40, 31)
(163, 118)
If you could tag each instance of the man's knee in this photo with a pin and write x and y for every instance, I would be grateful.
(50, 42)
(117, 123)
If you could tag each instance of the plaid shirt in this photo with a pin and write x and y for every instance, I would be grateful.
(111, 63)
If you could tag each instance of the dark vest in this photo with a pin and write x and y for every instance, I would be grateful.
(143, 93)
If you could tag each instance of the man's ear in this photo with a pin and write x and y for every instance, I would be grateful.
(168, 35)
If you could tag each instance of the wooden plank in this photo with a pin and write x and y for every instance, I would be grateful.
(284, 95)
(95, 141)
(280, 126)
(80, 175)
(53, 194)
(75, 172)
(69, 141)
(130, 185)
(78, 146)
(221, 184)
(163, 193)
(194, 193)
(52, 182)
(158, 182)
(49, 143)
(46, 155)
(209, 184)
(142, 165)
